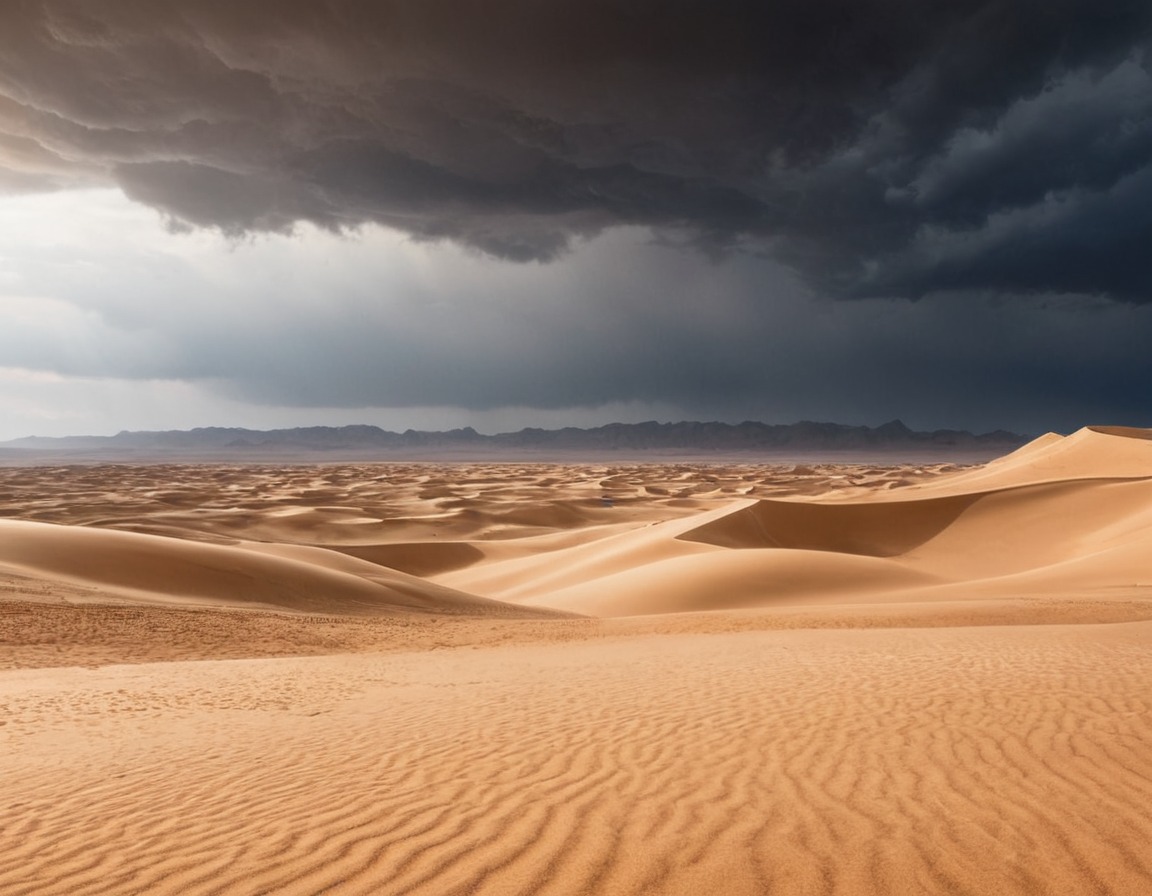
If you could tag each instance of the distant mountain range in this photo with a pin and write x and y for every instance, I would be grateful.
(367, 442)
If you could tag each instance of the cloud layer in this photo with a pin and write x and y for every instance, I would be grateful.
(108, 322)
(880, 147)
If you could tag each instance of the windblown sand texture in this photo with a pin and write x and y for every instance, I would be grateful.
(577, 679)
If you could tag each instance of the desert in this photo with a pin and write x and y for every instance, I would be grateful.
(575, 448)
(631, 678)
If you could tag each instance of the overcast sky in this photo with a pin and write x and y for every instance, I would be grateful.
(437, 213)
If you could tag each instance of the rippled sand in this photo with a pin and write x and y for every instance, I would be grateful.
(575, 679)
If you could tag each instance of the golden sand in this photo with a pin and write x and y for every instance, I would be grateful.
(506, 679)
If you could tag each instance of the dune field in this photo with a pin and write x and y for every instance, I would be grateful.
(499, 678)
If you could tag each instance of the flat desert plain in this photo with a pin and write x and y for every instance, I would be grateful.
(534, 679)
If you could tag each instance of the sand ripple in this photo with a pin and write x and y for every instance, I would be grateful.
(955, 760)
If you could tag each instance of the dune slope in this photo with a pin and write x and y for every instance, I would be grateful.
(125, 566)
(1061, 516)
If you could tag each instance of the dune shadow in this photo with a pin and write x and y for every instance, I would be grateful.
(415, 558)
(873, 530)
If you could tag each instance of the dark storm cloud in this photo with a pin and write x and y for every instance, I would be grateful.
(323, 322)
(882, 147)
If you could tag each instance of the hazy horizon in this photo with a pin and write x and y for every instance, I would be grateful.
(499, 432)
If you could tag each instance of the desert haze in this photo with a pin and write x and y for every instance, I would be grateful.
(498, 678)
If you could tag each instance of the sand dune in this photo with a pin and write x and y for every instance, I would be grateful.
(1094, 452)
(738, 580)
(635, 679)
(149, 569)
(987, 532)
(872, 529)
(1061, 517)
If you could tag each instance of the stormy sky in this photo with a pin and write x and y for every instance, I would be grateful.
(436, 213)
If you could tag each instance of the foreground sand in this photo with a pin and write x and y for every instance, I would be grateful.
(665, 679)
(991, 760)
